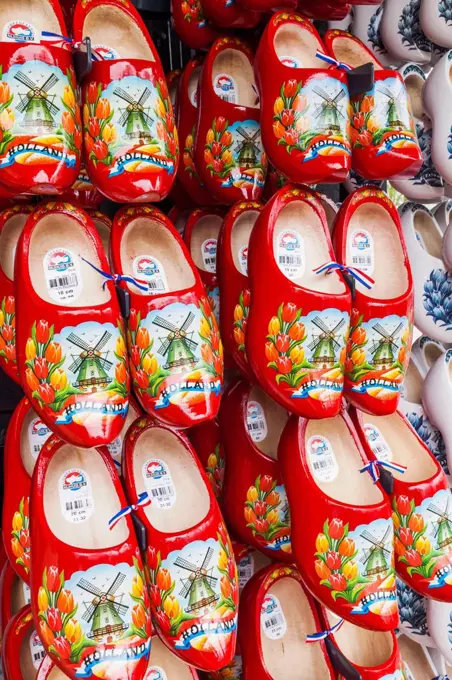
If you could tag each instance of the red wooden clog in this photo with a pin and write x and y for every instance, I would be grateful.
(166, 666)
(267, 5)
(421, 503)
(256, 506)
(192, 569)
(178, 218)
(368, 235)
(201, 236)
(116, 448)
(40, 121)
(342, 531)
(192, 25)
(304, 103)
(103, 225)
(233, 277)
(88, 586)
(298, 320)
(383, 132)
(22, 650)
(229, 14)
(12, 221)
(324, 10)
(187, 174)
(131, 142)
(15, 594)
(276, 615)
(83, 192)
(70, 336)
(25, 437)
(208, 446)
(358, 654)
(229, 155)
(173, 339)
(48, 670)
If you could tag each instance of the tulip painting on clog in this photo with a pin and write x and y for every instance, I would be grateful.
(22, 650)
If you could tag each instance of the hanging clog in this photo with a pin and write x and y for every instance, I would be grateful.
(401, 33)
(426, 352)
(15, 594)
(227, 14)
(191, 565)
(304, 103)
(70, 336)
(22, 650)
(192, 25)
(173, 339)
(366, 27)
(434, 19)
(130, 138)
(233, 277)
(229, 155)
(435, 397)
(368, 236)
(210, 450)
(413, 614)
(88, 585)
(298, 319)
(383, 133)
(255, 506)
(436, 96)
(12, 221)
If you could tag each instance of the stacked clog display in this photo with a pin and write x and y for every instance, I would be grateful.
(226, 296)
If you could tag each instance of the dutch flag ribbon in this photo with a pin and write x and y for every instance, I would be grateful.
(333, 61)
(117, 278)
(356, 273)
(317, 637)
(142, 502)
(56, 40)
(372, 468)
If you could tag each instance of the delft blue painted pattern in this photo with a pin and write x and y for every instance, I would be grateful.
(430, 436)
(413, 617)
(438, 297)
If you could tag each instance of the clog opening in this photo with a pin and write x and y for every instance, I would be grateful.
(240, 237)
(30, 655)
(57, 272)
(37, 13)
(145, 240)
(285, 654)
(28, 452)
(401, 445)
(352, 52)
(20, 595)
(300, 245)
(188, 497)
(236, 66)
(113, 28)
(330, 209)
(265, 421)
(104, 234)
(414, 85)
(415, 659)
(193, 85)
(413, 384)
(432, 352)
(367, 648)
(9, 237)
(203, 242)
(97, 500)
(428, 233)
(382, 257)
(162, 658)
(296, 45)
(342, 460)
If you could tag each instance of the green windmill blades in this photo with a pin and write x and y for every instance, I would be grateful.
(199, 586)
(91, 367)
(329, 115)
(248, 148)
(377, 561)
(177, 347)
(105, 612)
(37, 105)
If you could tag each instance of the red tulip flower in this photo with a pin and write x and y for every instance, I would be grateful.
(156, 598)
(284, 365)
(333, 560)
(261, 526)
(413, 558)
(133, 320)
(406, 536)
(42, 332)
(266, 483)
(290, 88)
(135, 354)
(7, 332)
(403, 505)
(338, 582)
(100, 150)
(218, 364)
(216, 148)
(93, 127)
(92, 93)
(358, 121)
(291, 137)
(336, 528)
(282, 342)
(24, 538)
(54, 619)
(62, 647)
(221, 124)
(41, 368)
(358, 336)
(10, 351)
(9, 305)
(287, 117)
(260, 508)
(142, 379)
(163, 621)
(47, 393)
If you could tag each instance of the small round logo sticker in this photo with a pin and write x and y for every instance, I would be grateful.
(74, 480)
(19, 31)
(105, 52)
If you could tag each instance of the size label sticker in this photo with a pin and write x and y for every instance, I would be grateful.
(37, 650)
(378, 444)
(256, 421)
(209, 254)
(148, 268)
(155, 673)
(62, 275)
(115, 451)
(26, 592)
(105, 52)
(159, 483)
(226, 88)
(243, 260)
(290, 62)
(245, 570)
(38, 434)
(290, 254)
(323, 461)
(193, 95)
(273, 621)
(76, 497)
(362, 251)
(19, 31)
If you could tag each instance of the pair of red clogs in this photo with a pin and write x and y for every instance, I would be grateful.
(312, 130)
(127, 125)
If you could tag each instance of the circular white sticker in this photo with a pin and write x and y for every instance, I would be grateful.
(225, 87)
(256, 421)
(273, 621)
(62, 275)
(209, 254)
(38, 434)
(148, 268)
(323, 461)
(362, 251)
(115, 451)
(19, 31)
(243, 260)
(245, 568)
(378, 444)
(76, 498)
(105, 52)
(159, 483)
(155, 673)
(37, 650)
(290, 61)
(290, 253)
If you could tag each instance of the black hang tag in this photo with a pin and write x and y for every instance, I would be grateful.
(360, 79)
(387, 480)
(83, 59)
(140, 531)
(351, 283)
(341, 663)
(124, 302)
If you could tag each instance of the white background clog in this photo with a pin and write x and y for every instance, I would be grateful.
(437, 102)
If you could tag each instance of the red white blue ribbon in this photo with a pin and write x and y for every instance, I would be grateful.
(317, 637)
(333, 61)
(356, 273)
(373, 468)
(142, 502)
(117, 278)
(56, 40)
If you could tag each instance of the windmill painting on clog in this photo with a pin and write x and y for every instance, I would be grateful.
(131, 142)
(40, 123)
